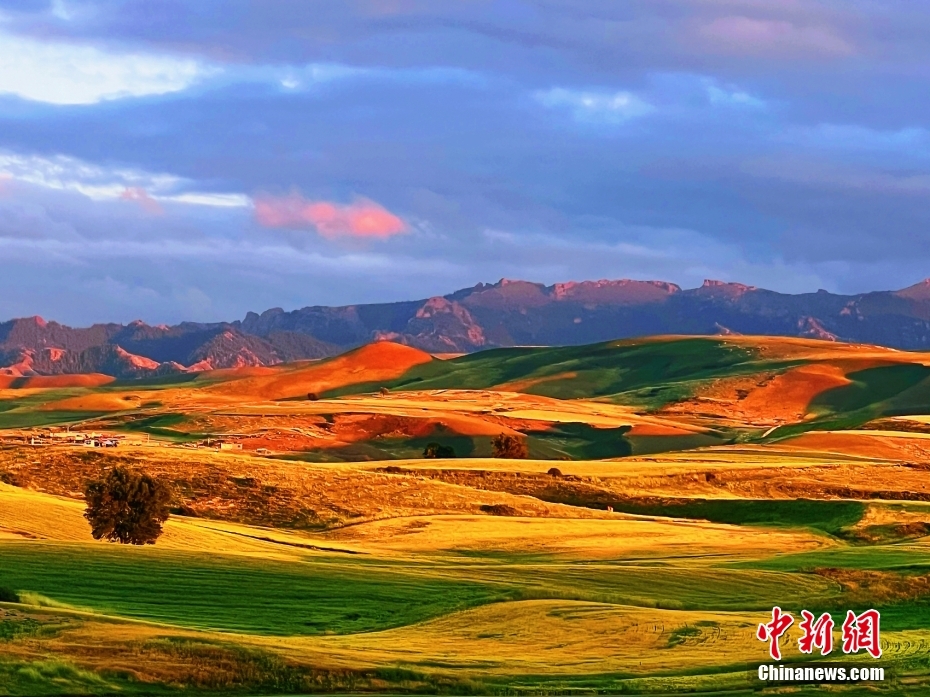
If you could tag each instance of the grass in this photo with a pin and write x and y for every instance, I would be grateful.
(579, 441)
(161, 425)
(33, 418)
(871, 387)
(235, 593)
(895, 390)
(52, 677)
(827, 516)
(664, 586)
(881, 557)
(562, 441)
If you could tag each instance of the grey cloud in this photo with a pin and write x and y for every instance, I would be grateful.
(787, 167)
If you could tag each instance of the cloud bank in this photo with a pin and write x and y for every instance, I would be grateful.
(429, 146)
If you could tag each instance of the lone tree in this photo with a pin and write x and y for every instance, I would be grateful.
(127, 507)
(508, 446)
(434, 450)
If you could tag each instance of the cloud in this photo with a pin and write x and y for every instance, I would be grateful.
(62, 73)
(595, 105)
(362, 218)
(731, 96)
(569, 120)
(100, 183)
(852, 137)
(746, 35)
(825, 176)
(140, 196)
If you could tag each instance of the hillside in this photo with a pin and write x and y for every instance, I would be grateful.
(507, 313)
(387, 401)
(676, 489)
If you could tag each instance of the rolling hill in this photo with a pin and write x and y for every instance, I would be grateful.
(676, 489)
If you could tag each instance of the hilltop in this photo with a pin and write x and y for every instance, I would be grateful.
(502, 314)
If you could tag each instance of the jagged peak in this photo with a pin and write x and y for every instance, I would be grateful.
(35, 319)
(505, 282)
(918, 291)
(712, 283)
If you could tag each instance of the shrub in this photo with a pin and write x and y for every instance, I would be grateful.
(12, 478)
(384, 391)
(127, 507)
(8, 596)
(508, 446)
(555, 472)
(435, 450)
(499, 509)
(313, 396)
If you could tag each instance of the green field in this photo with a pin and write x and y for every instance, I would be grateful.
(235, 594)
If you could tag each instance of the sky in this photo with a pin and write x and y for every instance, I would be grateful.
(171, 160)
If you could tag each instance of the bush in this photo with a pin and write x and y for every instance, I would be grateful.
(312, 396)
(499, 509)
(435, 450)
(508, 446)
(8, 596)
(12, 478)
(555, 472)
(384, 391)
(127, 507)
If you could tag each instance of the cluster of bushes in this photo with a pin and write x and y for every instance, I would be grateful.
(503, 446)
(510, 447)
(437, 450)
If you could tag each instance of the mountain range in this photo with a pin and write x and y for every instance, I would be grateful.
(506, 313)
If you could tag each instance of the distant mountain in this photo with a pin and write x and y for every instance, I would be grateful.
(506, 313)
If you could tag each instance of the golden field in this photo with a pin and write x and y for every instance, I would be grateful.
(661, 513)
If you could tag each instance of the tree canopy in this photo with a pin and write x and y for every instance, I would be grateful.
(127, 507)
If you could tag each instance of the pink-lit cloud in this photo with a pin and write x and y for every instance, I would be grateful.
(362, 218)
(746, 35)
(140, 196)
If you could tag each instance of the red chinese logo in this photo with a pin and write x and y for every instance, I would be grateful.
(862, 633)
(859, 632)
(773, 630)
(817, 634)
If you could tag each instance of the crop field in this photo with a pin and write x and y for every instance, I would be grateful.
(674, 491)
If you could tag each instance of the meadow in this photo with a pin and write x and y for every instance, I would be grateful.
(676, 489)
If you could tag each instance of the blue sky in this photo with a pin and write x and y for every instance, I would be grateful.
(172, 159)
